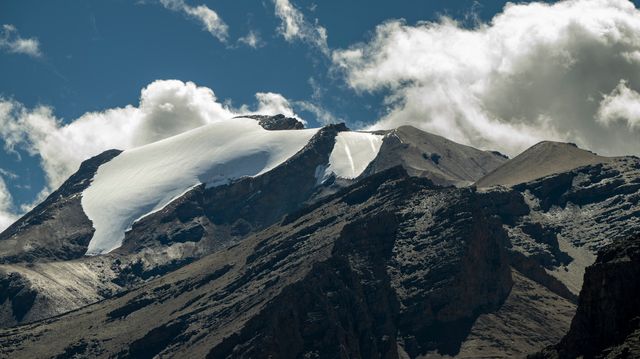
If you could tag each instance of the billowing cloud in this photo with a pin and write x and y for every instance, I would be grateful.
(294, 26)
(622, 104)
(12, 42)
(535, 71)
(166, 108)
(209, 19)
(270, 103)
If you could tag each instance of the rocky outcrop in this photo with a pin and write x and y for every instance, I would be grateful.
(277, 123)
(16, 296)
(30, 292)
(532, 317)
(607, 321)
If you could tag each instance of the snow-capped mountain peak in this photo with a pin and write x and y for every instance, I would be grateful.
(145, 179)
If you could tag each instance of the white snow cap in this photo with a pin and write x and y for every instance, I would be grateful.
(352, 153)
(145, 179)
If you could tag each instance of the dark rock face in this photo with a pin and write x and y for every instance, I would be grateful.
(277, 122)
(388, 267)
(16, 290)
(607, 322)
(56, 229)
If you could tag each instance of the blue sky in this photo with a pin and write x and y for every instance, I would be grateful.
(92, 56)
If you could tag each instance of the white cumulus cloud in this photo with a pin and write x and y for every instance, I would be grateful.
(209, 19)
(273, 103)
(622, 104)
(294, 26)
(12, 42)
(535, 71)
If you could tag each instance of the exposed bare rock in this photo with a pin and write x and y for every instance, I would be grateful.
(289, 264)
(531, 317)
(544, 159)
(200, 222)
(43, 290)
(431, 156)
(277, 122)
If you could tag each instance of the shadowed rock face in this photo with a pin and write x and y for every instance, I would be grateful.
(607, 322)
(388, 266)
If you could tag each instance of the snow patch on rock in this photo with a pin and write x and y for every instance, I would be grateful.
(352, 153)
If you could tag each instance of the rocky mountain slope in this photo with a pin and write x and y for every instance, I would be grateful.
(427, 155)
(383, 267)
(541, 160)
(356, 244)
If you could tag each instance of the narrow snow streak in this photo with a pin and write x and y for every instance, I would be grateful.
(348, 153)
(352, 153)
(147, 178)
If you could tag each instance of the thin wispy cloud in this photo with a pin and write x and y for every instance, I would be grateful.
(295, 27)
(252, 39)
(12, 42)
(210, 19)
(8, 174)
(321, 114)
